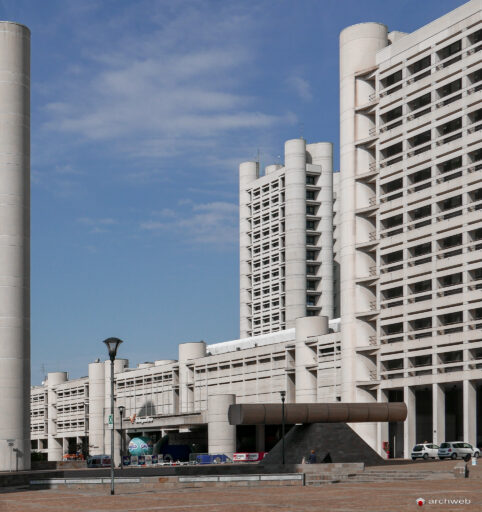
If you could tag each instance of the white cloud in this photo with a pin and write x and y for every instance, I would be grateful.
(177, 88)
(97, 226)
(301, 87)
(213, 224)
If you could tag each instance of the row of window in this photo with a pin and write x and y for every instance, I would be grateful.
(66, 393)
(447, 285)
(422, 178)
(447, 357)
(141, 381)
(422, 105)
(421, 142)
(426, 324)
(422, 253)
(423, 67)
(423, 212)
(274, 185)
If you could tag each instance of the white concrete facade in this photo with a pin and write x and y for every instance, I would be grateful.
(188, 395)
(401, 221)
(14, 246)
(410, 230)
(286, 239)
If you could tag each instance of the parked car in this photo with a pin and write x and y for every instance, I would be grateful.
(98, 461)
(455, 449)
(425, 451)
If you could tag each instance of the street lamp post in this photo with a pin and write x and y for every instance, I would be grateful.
(121, 414)
(112, 346)
(283, 396)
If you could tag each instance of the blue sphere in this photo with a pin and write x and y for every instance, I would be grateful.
(140, 446)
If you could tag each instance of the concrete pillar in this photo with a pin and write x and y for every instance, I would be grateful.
(438, 415)
(221, 435)
(358, 47)
(188, 352)
(306, 357)
(409, 425)
(14, 246)
(470, 412)
(382, 428)
(322, 154)
(260, 438)
(295, 230)
(96, 408)
(55, 448)
(119, 365)
(248, 172)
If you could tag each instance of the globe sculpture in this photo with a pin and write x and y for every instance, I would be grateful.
(140, 446)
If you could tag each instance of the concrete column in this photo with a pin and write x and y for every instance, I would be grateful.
(409, 425)
(248, 172)
(14, 246)
(358, 47)
(470, 412)
(96, 408)
(119, 365)
(322, 154)
(188, 352)
(221, 435)
(306, 358)
(295, 230)
(382, 428)
(260, 438)
(55, 448)
(438, 415)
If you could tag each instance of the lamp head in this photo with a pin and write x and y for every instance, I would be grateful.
(283, 395)
(121, 410)
(112, 346)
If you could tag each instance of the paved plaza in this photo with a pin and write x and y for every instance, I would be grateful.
(343, 497)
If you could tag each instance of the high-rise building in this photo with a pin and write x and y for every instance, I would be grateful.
(286, 239)
(410, 227)
(400, 221)
(14, 246)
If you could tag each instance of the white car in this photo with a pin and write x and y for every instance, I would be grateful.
(455, 449)
(424, 451)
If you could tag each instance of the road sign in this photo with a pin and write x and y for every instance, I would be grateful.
(111, 421)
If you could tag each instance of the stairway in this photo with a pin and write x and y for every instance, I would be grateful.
(376, 475)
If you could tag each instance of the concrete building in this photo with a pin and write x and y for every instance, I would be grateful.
(188, 398)
(408, 247)
(286, 239)
(14, 246)
(410, 229)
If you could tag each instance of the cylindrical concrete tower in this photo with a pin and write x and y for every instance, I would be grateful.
(322, 154)
(56, 447)
(14, 246)
(306, 357)
(358, 47)
(248, 172)
(295, 230)
(188, 351)
(96, 408)
(221, 435)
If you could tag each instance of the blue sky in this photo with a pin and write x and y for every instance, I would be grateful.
(141, 113)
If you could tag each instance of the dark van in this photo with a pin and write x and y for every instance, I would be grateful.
(98, 461)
